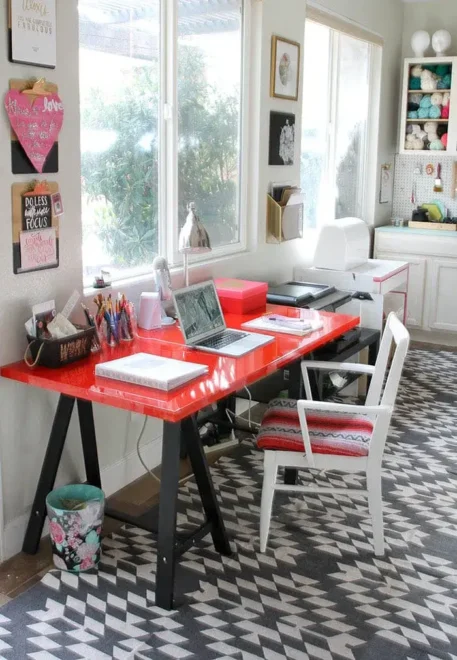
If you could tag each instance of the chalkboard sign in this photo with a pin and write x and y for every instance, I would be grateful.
(36, 212)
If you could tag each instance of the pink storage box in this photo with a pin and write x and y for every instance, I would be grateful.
(241, 296)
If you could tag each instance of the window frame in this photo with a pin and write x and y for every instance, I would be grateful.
(365, 184)
(168, 221)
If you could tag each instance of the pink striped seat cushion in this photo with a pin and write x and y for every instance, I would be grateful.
(340, 434)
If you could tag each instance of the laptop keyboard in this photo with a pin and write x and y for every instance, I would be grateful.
(223, 339)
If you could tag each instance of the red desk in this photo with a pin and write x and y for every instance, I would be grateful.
(78, 383)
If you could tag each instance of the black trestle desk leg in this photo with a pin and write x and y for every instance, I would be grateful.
(168, 504)
(48, 473)
(89, 442)
(205, 486)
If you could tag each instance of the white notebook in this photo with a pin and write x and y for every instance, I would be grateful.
(284, 325)
(151, 371)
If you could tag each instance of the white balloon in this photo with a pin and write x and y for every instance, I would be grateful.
(441, 42)
(420, 41)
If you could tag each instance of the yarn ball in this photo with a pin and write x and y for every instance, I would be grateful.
(423, 113)
(445, 111)
(443, 69)
(416, 71)
(422, 135)
(415, 129)
(432, 137)
(441, 130)
(429, 127)
(447, 81)
(436, 99)
(416, 98)
(415, 83)
(444, 140)
(409, 129)
(446, 98)
(408, 145)
(426, 101)
(429, 81)
(434, 112)
(436, 145)
(413, 106)
(429, 67)
(413, 114)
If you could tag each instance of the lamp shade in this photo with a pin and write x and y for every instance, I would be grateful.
(193, 237)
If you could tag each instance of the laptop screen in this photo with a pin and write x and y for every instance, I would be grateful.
(199, 311)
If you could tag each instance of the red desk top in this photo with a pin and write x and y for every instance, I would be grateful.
(226, 374)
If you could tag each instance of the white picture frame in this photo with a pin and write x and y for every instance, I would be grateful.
(285, 68)
(32, 26)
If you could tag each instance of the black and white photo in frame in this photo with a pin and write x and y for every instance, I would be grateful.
(282, 138)
(32, 32)
(285, 68)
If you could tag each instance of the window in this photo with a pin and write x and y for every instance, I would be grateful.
(142, 162)
(335, 126)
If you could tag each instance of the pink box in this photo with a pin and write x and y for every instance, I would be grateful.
(241, 296)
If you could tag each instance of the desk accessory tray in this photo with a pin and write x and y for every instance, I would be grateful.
(298, 294)
(56, 353)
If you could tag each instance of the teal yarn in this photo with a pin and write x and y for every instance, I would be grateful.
(415, 83)
(443, 69)
(430, 67)
(434, 112)
(426, 101)
(413, 114)
(423, 113)
(447, 81)
(437, 145)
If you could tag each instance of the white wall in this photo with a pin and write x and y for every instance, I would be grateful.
(26, 413)
(430, 16)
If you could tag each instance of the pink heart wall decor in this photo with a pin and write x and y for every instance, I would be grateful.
(37, 124)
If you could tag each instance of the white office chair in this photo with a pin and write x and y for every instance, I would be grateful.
(335, 436)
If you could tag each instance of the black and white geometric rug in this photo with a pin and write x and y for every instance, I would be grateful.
(318, 593)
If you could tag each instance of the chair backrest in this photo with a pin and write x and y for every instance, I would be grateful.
(395, 334)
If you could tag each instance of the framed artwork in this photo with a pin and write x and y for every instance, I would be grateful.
(32, 32)
(282, 138)
(285, 68)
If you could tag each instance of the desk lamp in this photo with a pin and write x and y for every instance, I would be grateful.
(193, 239)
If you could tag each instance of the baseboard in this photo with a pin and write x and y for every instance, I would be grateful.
(114, 477)
(434, 337)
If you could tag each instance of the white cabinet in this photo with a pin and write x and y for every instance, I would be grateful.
(416, 286)
(432, 286)
(443, 299)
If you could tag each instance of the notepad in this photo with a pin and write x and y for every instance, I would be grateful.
(151, 371)
(286, 325)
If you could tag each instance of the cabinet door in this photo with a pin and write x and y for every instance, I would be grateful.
(442, 302)
(416, 285)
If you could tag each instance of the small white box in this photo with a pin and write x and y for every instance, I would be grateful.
(150, 315)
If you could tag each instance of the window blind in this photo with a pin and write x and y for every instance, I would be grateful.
(337, 23)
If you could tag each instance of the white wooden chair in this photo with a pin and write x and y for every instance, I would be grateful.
(335, 436)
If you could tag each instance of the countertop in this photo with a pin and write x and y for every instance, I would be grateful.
(409, 230)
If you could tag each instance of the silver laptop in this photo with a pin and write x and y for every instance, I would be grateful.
(203, 325)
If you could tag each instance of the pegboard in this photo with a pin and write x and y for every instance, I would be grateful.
(405, 177)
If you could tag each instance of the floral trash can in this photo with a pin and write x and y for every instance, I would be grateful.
(75, 524)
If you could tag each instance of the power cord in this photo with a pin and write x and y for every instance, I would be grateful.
(148, 470)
